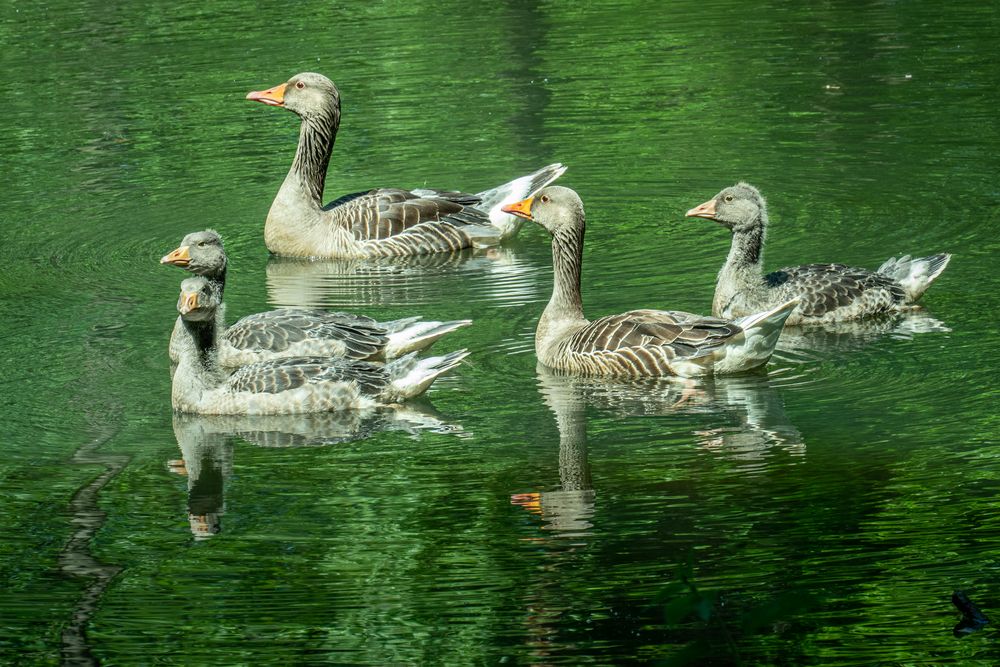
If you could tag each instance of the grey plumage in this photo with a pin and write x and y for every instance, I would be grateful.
(826, 292)
(384, 222)
(297, 332)
(638, 343)
(291, 385)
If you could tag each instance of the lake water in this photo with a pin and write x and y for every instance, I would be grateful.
(821, 513)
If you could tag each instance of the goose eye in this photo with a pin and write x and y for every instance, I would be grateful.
(202, 244)
(544, 198)
(729, 198)
(300, 85)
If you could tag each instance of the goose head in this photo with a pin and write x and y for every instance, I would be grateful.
(201, 253)
(198, 301)
(739, 207)
(307, 94)
(556, 208)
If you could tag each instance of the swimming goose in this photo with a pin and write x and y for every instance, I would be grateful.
(290, 332)
(381, 222)
(639, 343)
(826, 292)
(292, 385)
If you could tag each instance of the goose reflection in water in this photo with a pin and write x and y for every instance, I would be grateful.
(824, 340)
(567, 510)
(206, 443)
(751, 401)
(494, 274)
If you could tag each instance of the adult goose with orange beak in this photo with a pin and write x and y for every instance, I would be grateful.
(291, 385)
(638, 343)
(290, 332)
(384, 222)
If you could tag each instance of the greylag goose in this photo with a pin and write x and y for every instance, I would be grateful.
(826, 292)
(291, 385)
(377, 223)
(639, 343)
(290, 332)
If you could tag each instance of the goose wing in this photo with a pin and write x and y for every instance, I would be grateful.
(277, 330)
(822, 288)
(646, 341)
(385, 212)
(272, 377)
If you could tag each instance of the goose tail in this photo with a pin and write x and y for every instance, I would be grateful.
(756, 345)
(915, 275)
(418, 336)
(410, 376)
(492, 200)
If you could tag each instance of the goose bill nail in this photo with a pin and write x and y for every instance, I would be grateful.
(179, 257)
(274, 97)
(706, 210)
(521, 209)
(190, 302)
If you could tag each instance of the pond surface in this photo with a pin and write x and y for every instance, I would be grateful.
(821, 513)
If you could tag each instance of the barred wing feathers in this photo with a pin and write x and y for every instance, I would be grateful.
(823, 288)
(281, 375)
(646, 342)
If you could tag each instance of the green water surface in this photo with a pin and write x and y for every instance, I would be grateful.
(820, 514)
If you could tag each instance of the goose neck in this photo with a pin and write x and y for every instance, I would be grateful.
(567, 263)
(317, 135)
(747, 249)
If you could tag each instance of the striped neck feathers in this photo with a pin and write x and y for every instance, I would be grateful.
(312, 157)
(567, 264)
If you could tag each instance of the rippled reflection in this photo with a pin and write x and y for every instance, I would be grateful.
(206, 443)
(809, 342)
(750, 404)
(567, 510)
(497, 275)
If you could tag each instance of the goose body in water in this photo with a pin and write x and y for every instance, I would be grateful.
(639, 343)
(289, 332)
(383, 222)
(291, 385)
(826, 293)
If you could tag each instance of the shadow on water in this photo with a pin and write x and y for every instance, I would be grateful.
(86, 517)
(710, 626)
(206, 443)
(495, 274)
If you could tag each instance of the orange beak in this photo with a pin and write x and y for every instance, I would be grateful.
(187, 303)
(521, 209)
(706, 210)
(274, 97)
(180, 257)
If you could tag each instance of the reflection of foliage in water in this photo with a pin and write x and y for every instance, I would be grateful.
(717, 622)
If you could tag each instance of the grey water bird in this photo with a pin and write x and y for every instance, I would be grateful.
(289, 332)
(291, 385)
(381, 222)
(826, 292)
(638, 343)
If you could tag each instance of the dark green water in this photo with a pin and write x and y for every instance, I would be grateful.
(822, 514)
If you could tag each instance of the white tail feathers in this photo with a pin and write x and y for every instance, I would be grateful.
(769, 320)
(412, 376)
(417, 336)
(514, 191)
(915, 275)
(760, 335)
